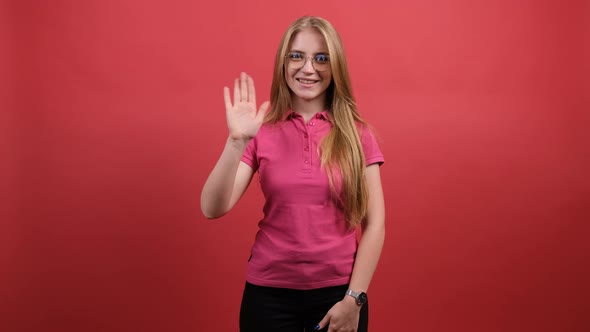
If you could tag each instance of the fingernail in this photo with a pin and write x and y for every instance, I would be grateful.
(317, 327)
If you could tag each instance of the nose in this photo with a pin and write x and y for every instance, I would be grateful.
(308, 66)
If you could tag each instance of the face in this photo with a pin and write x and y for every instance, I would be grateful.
(307, 83)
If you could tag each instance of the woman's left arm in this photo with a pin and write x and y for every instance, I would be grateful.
(344, 315)
(373, 234)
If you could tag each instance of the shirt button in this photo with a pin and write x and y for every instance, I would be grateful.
(306, 148)
(313, 123)
(307, 161)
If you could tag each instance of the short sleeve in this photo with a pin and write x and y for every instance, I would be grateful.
(249, 156)
(371, 148)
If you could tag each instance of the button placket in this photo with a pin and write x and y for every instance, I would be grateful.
(307, 157)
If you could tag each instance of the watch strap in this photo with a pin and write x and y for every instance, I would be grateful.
(352, 293)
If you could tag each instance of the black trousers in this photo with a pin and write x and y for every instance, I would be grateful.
(269, 309)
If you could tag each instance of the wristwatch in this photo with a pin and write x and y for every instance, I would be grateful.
(360, 298)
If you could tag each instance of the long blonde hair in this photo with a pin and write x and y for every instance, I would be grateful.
(341, 151)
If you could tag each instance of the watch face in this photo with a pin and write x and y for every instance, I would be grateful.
(361, 298)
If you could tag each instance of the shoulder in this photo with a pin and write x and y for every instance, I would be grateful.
(268, 127)
(268, 132)
(366, 131)
(369, 141)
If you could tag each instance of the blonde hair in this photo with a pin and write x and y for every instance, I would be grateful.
(341, 151)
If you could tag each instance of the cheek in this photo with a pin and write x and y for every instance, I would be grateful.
(327, 80)
(289, 78)
(290, 83)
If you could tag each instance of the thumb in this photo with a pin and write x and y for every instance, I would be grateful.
(262, 111)
(323, 322)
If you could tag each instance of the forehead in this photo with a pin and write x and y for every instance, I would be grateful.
(309, 41)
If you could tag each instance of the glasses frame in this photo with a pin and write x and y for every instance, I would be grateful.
(288, 61)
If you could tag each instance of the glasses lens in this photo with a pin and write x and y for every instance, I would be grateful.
(321, 62)
(295, 60)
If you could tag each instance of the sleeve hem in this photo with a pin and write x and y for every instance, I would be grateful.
(375, 160)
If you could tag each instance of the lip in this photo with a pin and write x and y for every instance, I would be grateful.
(307, 85)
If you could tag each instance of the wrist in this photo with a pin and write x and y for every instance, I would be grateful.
(239, 143)
(349, 300)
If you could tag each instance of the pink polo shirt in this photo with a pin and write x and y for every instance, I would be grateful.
(303, 241)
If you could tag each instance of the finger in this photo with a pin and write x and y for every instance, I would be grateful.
(244, 87)
(262, 111)
(322, 323)
(227, 99)
(251, 91)
(236, 91)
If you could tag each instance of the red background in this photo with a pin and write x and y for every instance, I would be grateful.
(113, 116)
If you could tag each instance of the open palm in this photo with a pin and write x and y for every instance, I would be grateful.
(243, 120)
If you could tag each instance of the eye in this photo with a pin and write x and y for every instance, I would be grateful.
(295, 56)
(322, 58)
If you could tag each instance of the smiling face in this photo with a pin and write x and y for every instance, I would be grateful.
(308, 86)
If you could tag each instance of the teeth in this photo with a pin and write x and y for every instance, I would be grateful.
(306, 81)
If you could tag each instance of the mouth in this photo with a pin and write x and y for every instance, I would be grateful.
(306, 82)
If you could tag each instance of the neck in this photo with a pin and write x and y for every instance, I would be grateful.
(308, 108)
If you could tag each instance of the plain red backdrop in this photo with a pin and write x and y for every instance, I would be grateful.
(113, 117)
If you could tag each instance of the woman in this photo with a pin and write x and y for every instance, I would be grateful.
(318, 167)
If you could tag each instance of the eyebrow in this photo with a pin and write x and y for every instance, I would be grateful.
(298, 51)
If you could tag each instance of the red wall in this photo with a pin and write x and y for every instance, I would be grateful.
(113, 116)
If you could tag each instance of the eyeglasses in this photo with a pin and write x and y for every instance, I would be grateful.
(296, 60)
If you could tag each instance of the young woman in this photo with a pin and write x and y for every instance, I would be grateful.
(318, 167)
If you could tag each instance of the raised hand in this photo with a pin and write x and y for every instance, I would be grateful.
(243, 121)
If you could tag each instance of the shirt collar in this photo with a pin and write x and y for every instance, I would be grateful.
(323, 115)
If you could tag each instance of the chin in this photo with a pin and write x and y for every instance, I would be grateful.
(308, 97)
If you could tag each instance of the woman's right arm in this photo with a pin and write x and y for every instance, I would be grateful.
(227, 182)
(230, 177)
